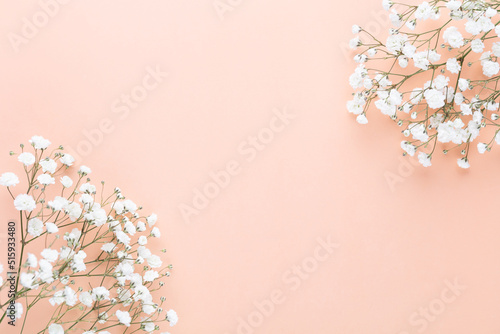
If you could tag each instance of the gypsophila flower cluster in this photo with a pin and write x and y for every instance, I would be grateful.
(83, 254)
(436, 75)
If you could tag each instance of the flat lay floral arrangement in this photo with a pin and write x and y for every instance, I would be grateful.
(80, 252)
(436, 75)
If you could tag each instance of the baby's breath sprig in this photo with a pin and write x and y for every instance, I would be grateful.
(82, 253)
(439, 82)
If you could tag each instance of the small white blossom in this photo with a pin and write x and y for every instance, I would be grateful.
(39, 142)
(24, 202)
(26, 158)
(84, 170)
(35, 227)
(172, 317)
(48, 165)
(463, 163)
(9, 179)
(66, 181)
(56, 329)
(46, 179)
(67, 159)
(51, 227)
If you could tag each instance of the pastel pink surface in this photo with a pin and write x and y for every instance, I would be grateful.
(323, 175)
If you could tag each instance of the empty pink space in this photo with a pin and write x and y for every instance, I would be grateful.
(228, 119)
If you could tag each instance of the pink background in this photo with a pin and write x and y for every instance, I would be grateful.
(323, 175)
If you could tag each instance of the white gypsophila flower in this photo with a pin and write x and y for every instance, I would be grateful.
(495, 49)
(395, 43)
(28, 280)
(473, 27)
(100, 293)
(24, 202)
(18, 310)
(141, 226)
(463, 84)
(67, 159)
(84, 170)
(424, 11)
(453, 37)
(130, 206)
(31, 261)
(66, 181)
(103, 317)
(70, 296)
(48, 165)
(9, 179)
(482, 147)
(361, 119)
(490, 68)
(453, 5)
(86, 298)
(150, 275)
(87, 199)
(403, 61)
(73, 210)
(46, 271)
(46, 179)
(78, 263)
(155, 232)
(435, 98)
(419, 132)
(395, 18)
(50, 255)
(143, 252)
(424, 159)
(152, 219)
(154, 261)
(26, 158)
(122, 237)
(387, 4)
(408, 148)
(88, 188)
(354, 43)
(118, 207)
(129, 228)
(463, 163)
(58, 203)
(142, 240)
(172, 317)
(490, 12)
(35, 227)
(51, 227)
(123, 317)
(39, 142)
(357, 79)
(57, 298)
(56, 329)
(453, 65)
(477, 46)
(108, 247)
